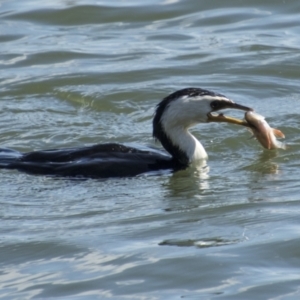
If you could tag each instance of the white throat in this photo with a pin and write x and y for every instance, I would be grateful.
(186, 142)
(179, 116)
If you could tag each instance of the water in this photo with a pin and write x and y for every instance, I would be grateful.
(82, 72)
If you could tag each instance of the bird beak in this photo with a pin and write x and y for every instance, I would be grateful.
(238, 106)
(215, 117)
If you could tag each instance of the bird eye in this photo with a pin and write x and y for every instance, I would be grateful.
(215, 105)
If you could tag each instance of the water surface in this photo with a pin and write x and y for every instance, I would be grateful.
(81, 72)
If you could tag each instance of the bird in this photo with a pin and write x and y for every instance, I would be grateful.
(173, 117)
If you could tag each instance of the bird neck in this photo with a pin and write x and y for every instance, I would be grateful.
(181, 144)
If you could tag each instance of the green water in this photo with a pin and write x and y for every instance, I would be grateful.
(81, 72)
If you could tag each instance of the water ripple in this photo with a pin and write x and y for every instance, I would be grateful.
(89, 71)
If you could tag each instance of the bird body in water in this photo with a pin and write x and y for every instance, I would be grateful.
(174, 115)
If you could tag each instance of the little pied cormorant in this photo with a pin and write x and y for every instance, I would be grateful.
(174, 115)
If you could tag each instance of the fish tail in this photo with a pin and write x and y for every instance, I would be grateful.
(278, 133)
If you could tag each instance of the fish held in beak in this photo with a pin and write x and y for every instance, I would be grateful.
(257, 124)
(263, 132)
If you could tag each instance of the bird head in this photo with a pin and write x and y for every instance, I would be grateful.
(183, 109)
(190, 106)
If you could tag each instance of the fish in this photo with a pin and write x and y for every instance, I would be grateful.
(262, 131)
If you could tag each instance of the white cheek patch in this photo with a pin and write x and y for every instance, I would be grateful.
(187, 111)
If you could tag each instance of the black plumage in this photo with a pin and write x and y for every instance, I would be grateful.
(97, 161)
